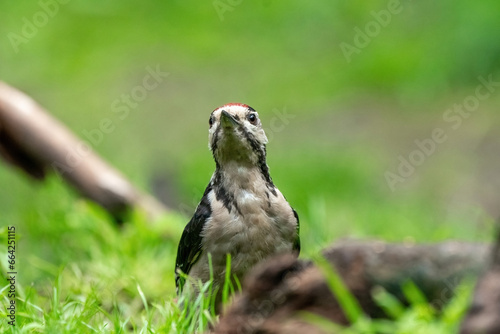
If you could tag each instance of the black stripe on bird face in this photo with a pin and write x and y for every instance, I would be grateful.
(215, 139)
(260, 150)
(211, 120)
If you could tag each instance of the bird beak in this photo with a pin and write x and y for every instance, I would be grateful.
(227, 120)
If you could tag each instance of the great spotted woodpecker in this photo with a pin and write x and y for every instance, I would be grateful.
(241, 213)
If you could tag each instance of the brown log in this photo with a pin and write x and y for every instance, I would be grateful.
(34, 141)
(277, 291)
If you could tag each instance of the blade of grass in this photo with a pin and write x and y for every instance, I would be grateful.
(227, 279)
(413, 293)
(347, 301)
(390, 304)
(143, 298)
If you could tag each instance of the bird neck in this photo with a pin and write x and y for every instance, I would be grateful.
(231, 180)
(232, 174)
(239, 166)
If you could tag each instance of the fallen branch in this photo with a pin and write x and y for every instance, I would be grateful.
(37, 143)
(276, 294)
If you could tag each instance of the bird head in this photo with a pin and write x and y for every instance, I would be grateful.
(236, 134)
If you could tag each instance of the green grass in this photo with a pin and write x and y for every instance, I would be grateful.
(80, 273)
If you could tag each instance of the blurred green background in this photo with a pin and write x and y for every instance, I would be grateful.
(337, 124)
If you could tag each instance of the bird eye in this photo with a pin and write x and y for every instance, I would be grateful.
(211, 121)
(252, 118)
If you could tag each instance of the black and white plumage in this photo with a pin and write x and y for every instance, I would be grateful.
(241, 212)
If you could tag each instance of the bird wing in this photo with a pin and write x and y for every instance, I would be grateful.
(296, 243)
(190, 245)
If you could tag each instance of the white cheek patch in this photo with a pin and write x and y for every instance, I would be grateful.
(264, 137)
